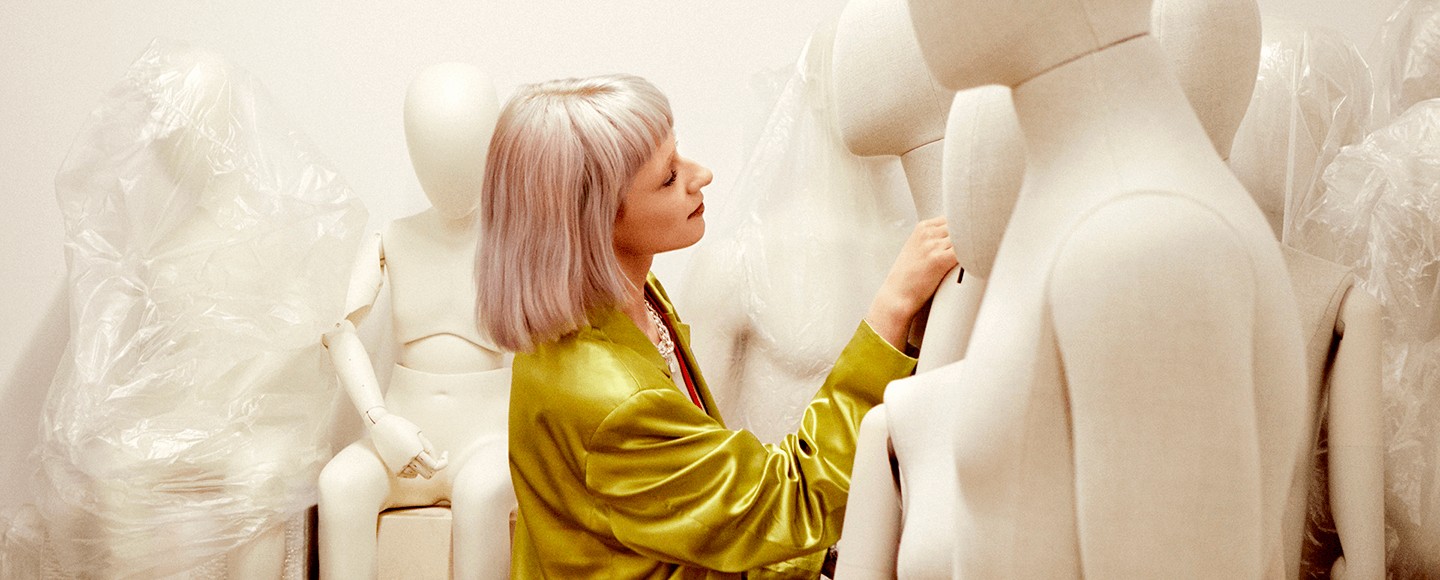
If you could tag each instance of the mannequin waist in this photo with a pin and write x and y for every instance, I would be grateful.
(447, 354)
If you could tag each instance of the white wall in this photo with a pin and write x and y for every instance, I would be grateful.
(340, 70)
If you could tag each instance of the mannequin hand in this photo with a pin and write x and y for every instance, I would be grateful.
(405, 451)
(924, 260)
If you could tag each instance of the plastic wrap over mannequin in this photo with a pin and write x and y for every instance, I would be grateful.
(1379, 213)
(207, 242)
(984, 162)
(776, 289)
(887, 104)
(1082, 419)
(439, 434)
(1410, 63)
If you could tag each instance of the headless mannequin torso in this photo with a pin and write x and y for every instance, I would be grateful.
(448, 379)
(1127, 204)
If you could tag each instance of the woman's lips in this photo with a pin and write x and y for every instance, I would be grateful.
(698, 211)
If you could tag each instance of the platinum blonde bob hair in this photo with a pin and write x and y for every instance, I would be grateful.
(562, 154)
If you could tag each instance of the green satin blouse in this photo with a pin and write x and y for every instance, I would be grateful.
(619, 475)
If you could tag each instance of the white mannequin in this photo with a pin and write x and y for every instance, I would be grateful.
(1082, 417)
(448, 378)
(1214, 46)
(888, 104)
(984, 162)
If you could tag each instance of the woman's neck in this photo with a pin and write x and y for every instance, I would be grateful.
(636, 269)
(1113, 118)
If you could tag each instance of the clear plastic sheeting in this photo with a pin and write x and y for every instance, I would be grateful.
(1411, 54)
(209, 246)
(788, 269)
(1380, 212)
(1312, 96)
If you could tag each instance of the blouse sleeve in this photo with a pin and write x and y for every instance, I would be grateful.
(680, 487)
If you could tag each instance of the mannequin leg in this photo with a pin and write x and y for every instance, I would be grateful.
(480, 503)
(353, 489)
(262, 558)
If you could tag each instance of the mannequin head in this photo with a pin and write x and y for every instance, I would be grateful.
(203, 109)
(450, 113)
(885, 101)
(1312, 97)
(1214, 51)
(984, 166)
(968, 43)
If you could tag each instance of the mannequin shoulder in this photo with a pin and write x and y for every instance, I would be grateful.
(409, 226)
(1359, 313)
(1146, 250)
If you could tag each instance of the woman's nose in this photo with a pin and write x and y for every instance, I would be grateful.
(702, 176)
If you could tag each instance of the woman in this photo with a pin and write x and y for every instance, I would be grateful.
(622, 466)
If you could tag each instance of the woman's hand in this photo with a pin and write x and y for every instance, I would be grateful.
(924, 260)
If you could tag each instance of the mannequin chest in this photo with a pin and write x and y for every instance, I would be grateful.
(432, 283)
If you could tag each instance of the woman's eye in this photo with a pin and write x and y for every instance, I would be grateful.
(671, 180)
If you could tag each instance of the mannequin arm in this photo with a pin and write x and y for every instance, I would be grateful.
(399, 442)
(366, 276)
(871, 538)
(1357, 459)
(1152, 301)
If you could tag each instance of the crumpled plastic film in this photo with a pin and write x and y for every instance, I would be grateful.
(788, 269)
(1312, 96)
(1411, 54)
(1380, 212)
(209, 245)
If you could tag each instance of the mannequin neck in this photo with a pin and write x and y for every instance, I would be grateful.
(1112, 118)
(452, 226)
(924, 166)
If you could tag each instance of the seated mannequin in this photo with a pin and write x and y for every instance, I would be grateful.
(1214, 47)
(207, 240)
(448, 378)
(1081, 420)
(888, 104)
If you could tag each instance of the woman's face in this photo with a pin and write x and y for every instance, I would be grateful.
(663, 208)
